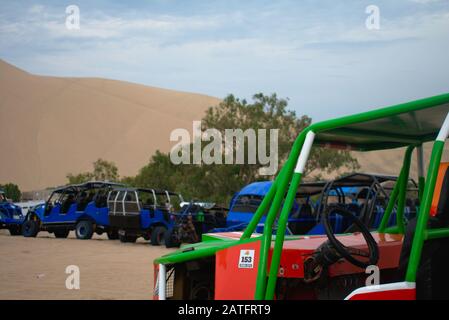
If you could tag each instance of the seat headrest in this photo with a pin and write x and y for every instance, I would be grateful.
(306, 209)
(440, 201)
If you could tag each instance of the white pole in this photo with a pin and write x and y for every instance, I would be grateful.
(444, 131)
(305, 151)
(162, 279)
(420, 161)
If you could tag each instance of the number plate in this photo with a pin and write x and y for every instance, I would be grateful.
(246, 259)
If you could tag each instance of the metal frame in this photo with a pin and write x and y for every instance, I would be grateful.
(265, 288)
(285, 186)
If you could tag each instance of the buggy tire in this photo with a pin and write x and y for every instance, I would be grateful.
(112, 234)
(170, 242)
(127, 238)
(158, 235)
(84, 230)
(30, 229)
(61, 234)
(15, 230)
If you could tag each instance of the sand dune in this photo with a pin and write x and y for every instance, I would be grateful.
(51, 126)
(390, 161)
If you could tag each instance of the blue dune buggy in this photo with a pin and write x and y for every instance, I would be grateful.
(82, 208)
(11, 217)
(246, 201)
(364, 195)
(141, 212)
(198, 218)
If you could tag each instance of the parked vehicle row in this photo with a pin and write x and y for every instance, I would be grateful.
(163, 217)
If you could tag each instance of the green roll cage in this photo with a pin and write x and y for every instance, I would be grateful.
(405, 125)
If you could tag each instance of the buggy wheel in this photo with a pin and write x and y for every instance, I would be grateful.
(112, 234)
(60, 234)
(30, 228)
(202, 291)
(158, 235)
(84, 230)
(170, 240)
(127, 238)
(15, 230)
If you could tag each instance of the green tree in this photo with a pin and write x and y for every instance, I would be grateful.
(79, 178)
(12, 191)
(268, 112)
(102, 170)
(219, 182)
(105, 170)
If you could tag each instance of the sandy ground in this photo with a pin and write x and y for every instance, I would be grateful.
(35, 268)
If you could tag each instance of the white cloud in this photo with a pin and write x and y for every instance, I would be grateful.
(36, 9)
(98, 25)
(242, 51)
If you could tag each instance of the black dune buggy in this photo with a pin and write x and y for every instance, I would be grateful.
(194, 219)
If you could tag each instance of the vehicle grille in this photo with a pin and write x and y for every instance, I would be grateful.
(169, 283)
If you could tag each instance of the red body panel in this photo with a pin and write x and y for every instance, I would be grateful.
(295, 252)
(232, 282)
(390, 291)
(403, 294)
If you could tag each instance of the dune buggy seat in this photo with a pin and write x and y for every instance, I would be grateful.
(67, 203)
(82, 201)
(432, 281)
(304, 213)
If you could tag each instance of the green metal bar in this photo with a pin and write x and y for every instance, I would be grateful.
(421, 184)
(280, 235)
(382, 113)
(268, 225)
(262, 208)
(199, 250)
(423, 217)
(420, 162)
(266, 201)
(403, 189)
(391, 203)
(437, 233)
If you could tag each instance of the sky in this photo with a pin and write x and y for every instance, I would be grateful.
(319, 54)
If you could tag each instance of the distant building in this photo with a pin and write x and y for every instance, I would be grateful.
(37, 195)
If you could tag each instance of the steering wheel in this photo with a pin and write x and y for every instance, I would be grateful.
(349, 253)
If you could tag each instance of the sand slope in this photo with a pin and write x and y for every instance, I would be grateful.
(51, 126)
